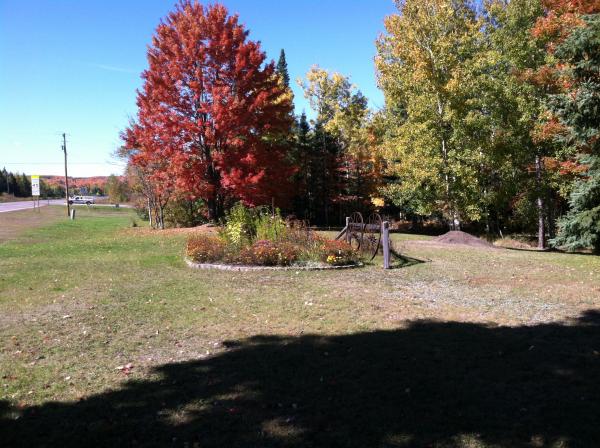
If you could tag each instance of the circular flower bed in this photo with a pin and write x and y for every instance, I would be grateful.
(245, 268)
(254, 238)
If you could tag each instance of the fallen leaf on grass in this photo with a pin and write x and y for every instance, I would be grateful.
(126, 369)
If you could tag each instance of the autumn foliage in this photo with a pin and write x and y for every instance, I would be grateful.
(486, 118)
(211, 112)
(561, 17)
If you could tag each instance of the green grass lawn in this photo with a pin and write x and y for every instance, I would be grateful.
(107, 338)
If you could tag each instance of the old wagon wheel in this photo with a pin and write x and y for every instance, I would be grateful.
(372, 238)
(356, 229)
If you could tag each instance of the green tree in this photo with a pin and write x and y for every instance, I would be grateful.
(12, 186)
(24, 185)
(344, 119)
(578, 109)
(116, 189)
(428, 68)
(519, 109)
(303, 160)
(282, 68)
(3, 180)
(334, 98)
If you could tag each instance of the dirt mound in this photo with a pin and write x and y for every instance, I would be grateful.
(458, 237)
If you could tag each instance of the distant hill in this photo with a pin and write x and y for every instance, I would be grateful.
(77, 182)
(94, 185)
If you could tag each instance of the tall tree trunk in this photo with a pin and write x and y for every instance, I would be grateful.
(540, 203)
(212, 209)
(444, 148)
(551, 212)
(156, 217)
(150, 213)
(213, 180)
(414, 222)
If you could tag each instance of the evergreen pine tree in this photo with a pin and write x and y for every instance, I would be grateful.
(24, 186)
(304, 198)
(325, 174)
(11, 184)
(3, 178)
(579, 111)
(580, 228)
(282, 69)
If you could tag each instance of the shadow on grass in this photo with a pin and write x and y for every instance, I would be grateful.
(399, 261)
(430, 384)
(549, 250)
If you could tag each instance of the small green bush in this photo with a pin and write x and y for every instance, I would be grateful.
(270, 227)
(184, 213)
(240, 226)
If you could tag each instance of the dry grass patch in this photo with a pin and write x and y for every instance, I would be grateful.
(13, 224)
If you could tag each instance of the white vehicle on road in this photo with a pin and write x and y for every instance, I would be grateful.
(87, 200)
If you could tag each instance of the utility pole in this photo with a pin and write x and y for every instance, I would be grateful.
(64, 148)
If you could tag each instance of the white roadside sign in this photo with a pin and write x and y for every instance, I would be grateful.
(35, 185)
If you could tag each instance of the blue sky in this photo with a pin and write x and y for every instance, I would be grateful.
(74, 65)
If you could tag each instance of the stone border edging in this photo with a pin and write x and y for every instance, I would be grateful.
(244, 268)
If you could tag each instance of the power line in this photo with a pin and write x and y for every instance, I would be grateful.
(60, 163)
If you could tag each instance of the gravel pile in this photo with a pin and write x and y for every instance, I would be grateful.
(459, 237)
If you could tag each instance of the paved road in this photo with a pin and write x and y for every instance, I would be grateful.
(22, 205)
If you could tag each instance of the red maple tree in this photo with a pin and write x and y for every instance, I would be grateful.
(147, 173)
(212, 113)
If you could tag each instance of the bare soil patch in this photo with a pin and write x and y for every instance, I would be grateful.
(464, 238)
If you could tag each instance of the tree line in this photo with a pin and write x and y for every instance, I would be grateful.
(19, 185)
(490, 121)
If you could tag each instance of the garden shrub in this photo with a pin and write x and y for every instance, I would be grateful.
(205, 248)
(338, 253)
(240, 225)
(261, 238)
(270, 227)
(299, 235)
(184, 213)
(269, 253)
